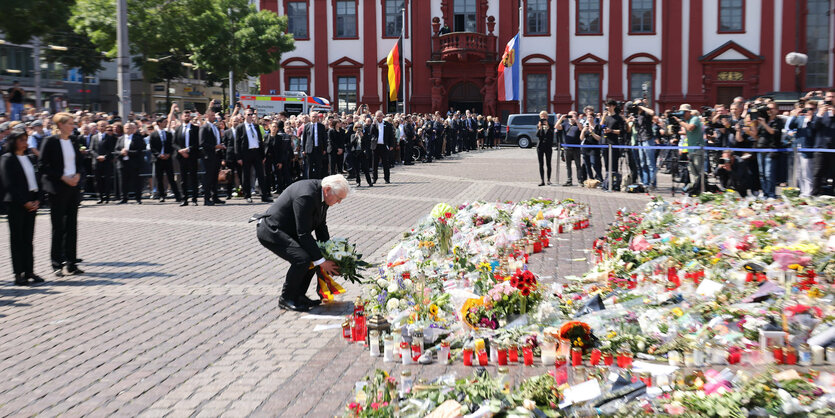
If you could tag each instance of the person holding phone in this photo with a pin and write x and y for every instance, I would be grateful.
(545, 147)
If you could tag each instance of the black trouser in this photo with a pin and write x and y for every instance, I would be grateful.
(252, 159)
(188, 175)
(104, 180)
(381, 154)
(21, 233)
(63, 211)
(615, 159)
(313, 164)
(269, 174)
(489, 142)
(573, 155)
(335, 160)
(87, 182)
(591, 161)
(544, 156)
(130, 180)
(283, 245)
(212, 167)
(821, 170)
(284, 175)
(165, 168)
(359, 165)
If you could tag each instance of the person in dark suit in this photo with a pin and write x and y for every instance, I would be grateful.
(162, 148)
(129, 158)
(287, 230)
(272, 156)
(360, 146)
(251, 155)
(212, 148)
(824, 127)
(101, 149)
(336, 147)
(231, 142)
(284, 154)
(186, 143)
(314, 141)
(21, 194)
(382, 142)
(59, 165)
(545, 146)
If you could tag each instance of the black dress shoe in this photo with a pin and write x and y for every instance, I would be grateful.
(122, 202)
(20, 280)
(293, 306)
(542, 184)
(309, 301)
(185, 203)
(208, 203)
(267, 199)
(74, 270)
(100, 201)
(218, 201)
(35, 278)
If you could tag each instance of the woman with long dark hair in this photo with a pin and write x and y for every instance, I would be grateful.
(21, 194)
(545, 147)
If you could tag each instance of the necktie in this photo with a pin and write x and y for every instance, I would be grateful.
(185, 129)
(315, 135)
(162, 135)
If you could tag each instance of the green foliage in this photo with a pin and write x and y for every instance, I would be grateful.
(23, 19)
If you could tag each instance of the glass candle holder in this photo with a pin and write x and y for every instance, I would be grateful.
(594, 357)
(527, 354)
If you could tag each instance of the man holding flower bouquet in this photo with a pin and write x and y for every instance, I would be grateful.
(287, 230)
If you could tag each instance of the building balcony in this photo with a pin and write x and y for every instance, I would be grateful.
(464, 46)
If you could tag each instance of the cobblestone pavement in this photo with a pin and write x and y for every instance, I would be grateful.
(177, 314)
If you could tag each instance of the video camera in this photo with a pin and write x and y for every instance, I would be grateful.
(708, 111)
(631, 108)
(758, 111)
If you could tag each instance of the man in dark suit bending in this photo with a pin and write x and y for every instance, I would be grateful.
(287, 230)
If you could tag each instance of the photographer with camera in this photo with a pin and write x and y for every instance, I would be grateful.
(768, 130)
(799, 126)
(691, 128)
(591, 134)
(545, 147)
(613, 127)
(567, 124)
(641, 116)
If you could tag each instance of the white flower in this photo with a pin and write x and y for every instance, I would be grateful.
(383, 283)
(529, 404)
(374, 292)
(403, 304)
(392, 304)
(392, 287)
(407, 283)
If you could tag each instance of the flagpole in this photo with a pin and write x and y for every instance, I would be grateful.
(519, 56)
(403, 61)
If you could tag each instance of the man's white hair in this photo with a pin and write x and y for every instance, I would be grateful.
(337, 184)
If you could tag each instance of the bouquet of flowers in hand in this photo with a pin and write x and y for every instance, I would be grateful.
(346, 257)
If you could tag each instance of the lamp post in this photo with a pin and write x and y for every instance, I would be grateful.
(797, 60)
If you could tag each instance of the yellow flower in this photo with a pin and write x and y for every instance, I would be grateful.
(714, 261)
(612, 334)
(484, 266)
(815, 293)
(677, 312)
(433, 309)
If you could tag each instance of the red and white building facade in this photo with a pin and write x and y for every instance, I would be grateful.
(574, 52)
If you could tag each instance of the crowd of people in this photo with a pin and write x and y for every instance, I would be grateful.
(55, 160)
(748, 134)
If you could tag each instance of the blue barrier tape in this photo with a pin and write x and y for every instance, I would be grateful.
(659, 147)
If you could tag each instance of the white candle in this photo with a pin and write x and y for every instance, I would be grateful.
(818, 355)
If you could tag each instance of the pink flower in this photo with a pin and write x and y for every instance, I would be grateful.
(674, 409)
(639, 243)
(785, 258)
(497, 297)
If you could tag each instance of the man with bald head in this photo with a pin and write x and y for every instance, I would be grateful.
(129, 149)
(314, 141)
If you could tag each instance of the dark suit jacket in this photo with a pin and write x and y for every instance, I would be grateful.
(136, 150)
(231, 144)
(51, 165)
(335, 140)
(388, 135)
(15, 187)
(103, 147)
(243, 140)
(307, 137)
(156, 144)
(824, 127)
(193, 140)
(298, 212)
(208, 140)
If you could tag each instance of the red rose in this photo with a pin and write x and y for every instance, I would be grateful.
(448, 215)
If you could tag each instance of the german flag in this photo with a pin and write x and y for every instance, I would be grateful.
(393, 62)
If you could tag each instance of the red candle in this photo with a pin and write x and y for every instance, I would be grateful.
(576, 356)
(594, 359)
(560, 229)
(608, 359)
(527, 352)
(468, 356)
(561, 375)
(482, 357)
(502, 357)
(789, 356)
(513, 353)
(537, 247)
(546, 242)
(778, 354)
(415, 351)
(560, 361)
